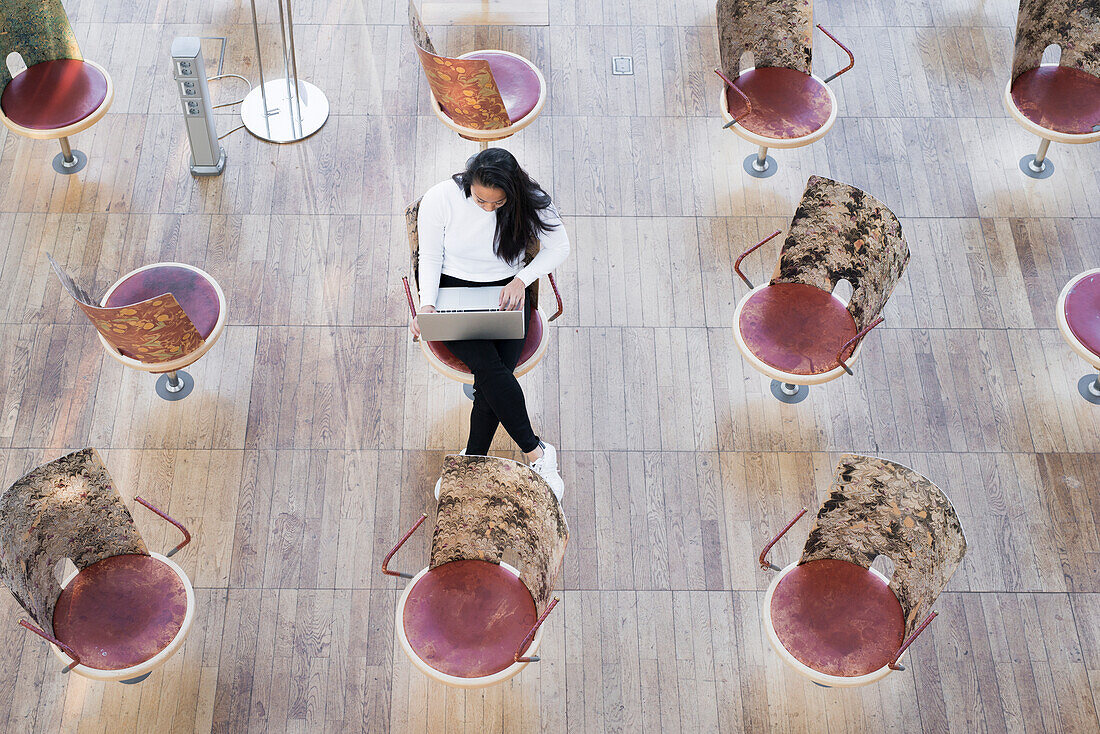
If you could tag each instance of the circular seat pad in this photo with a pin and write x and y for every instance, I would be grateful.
(192, 290)
(516, 80)
(1058, 98)
(531, 343)
(54, 94)
(785, 103)
(468, 618)
(1082, 310)
(120, 611)
(837, 618)
(796, 328)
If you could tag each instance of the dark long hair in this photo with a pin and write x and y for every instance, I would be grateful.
(518, 220)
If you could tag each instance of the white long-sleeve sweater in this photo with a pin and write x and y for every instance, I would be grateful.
(456, 238)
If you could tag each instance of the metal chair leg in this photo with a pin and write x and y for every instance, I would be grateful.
(760, 165)
(175, 385)
(1089, 387)
(786, 392)
(1037, 166)
(68, 161)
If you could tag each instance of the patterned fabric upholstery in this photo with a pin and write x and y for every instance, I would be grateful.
(464, 88)
(412, 212)
(1074, 25)
(839, 233)
(490, 506)
(777, 32)
(152, 331)
(877, 507)
(67, 508)
(38, 30)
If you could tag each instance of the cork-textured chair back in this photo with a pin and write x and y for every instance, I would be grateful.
(412, 211)
(1074, 25)
(839, 233)
(37, 30)
(464, 88)
(67, 508)
(777, 32)
(876, 507)
(152, 331)
(494, 509)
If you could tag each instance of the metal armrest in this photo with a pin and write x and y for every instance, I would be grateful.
(557, 294)
(909, 641)
(746, 253)
(764, 563)
(531, 635)
(50, 638)
(386, 560)
(851, 56)
(853, 341)
(182, 529)
(742, 95)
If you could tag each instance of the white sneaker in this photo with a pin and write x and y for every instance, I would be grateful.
(439, 482)
(547, 467)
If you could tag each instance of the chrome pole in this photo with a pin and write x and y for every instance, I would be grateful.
(286, 70)
(259, 57)
(294, 62)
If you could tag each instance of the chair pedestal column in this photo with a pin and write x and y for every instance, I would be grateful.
(175, 385)
(786, 392)
(1089, 387)
(1037, 166)
(760, 165)
(68, 161)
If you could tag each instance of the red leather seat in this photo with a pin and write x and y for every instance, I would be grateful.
(120, 611)
(54, 94)
(518, 83)
(468, 618)
(785, 103)
(531, 343)
(1082, 309)
(1058, 98)
(837, 618)
(195, 294)
(796, 328)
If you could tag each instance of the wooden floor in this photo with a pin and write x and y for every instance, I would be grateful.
(317, 429)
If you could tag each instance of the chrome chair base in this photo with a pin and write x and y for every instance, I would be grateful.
(275, 113)
(1089, 387)
(788, 393)
(1027, 165)
(139, 679)
(751, 163)
(468, 390)
(79, 160)
(182, 387)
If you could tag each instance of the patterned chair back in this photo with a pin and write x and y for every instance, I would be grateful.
(68, 508)
(839, 233)
(777, 32)
(37, 30)
(1072, 24)
(464, 88)
(153, 331)
(876, 507)
(490, 506)
(412, 211)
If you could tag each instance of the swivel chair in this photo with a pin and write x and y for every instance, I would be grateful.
(1058, 102)
(831, 616)
(1078, 315)
(777, 102)
(469, 619)
(60, 93)
(795, 329)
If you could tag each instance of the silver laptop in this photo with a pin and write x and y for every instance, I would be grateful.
(470, 313)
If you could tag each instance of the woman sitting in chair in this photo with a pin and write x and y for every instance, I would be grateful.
(474, 230)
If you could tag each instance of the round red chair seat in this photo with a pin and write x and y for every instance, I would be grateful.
(1082, 310)
(516, 80)
(120, 611)
(796, 328)
(531, 343)
(785, 103)
(1058, 98)
(837, 618)
(468, 618)
(54, 94)
(194, 292)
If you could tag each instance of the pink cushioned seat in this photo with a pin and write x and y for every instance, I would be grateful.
(516, 79)
(120, 611)
(53, 94)
(796, 328)
(1082, 309)
(195, 294)
(468, 618)
(530, 346)
(785, 103)
(837, 618)
(1058, 98)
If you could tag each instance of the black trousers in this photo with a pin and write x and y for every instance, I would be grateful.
(498, 398)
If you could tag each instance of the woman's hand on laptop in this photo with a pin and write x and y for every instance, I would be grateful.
(414, 327)
(511, 295)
